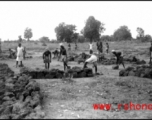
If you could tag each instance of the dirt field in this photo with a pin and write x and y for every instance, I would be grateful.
(75, 99)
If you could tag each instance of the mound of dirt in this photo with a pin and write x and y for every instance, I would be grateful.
(20, 97)
(133, 59)
(56, 73)
(139, 71)
(80, 73)
(130, 59)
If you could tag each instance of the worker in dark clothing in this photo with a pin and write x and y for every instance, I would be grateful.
(47, 58)
(63, 54)
(119, 56)
(99, 47)
(107, 48)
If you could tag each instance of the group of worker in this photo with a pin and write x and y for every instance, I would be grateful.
(61, 53)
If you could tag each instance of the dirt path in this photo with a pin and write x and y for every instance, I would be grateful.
(75, 99)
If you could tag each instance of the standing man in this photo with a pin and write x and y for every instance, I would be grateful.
(90, 47)
(47, 58)
(107, 48)
(93, 60)
(61, 44)
(99, 47)
(24, 53)
(63, 54)
(119, 56)
(20, 52)
(150, 50)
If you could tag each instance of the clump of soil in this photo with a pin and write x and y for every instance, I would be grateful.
(20, 96)
(144, 71)
(56, 73)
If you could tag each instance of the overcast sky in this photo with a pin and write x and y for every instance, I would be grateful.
(43, 16)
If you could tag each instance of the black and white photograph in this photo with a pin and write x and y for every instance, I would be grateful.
(75, 59)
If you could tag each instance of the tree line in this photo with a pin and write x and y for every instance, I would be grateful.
(91, 32)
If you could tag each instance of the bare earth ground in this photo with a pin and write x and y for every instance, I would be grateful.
(75, 99)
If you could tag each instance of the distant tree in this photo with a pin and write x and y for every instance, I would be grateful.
(75, 37)
(140, 32)
(65, 32)
(122, 33)
(147, 38)
(28, 33)
(44, 39)
(93, 29)
(106, 38)
(60, 31)
(81, 38)
(69, 33)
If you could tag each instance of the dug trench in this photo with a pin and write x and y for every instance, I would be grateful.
(75, 98)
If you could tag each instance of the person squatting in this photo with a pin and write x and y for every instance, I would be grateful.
(92, 60)
(47, 58)
(119, 56)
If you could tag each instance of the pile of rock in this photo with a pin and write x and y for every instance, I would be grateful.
(133, 59)
(139, 71)
(56, 73)
(20, 96)
(78, 72)
(130, 59)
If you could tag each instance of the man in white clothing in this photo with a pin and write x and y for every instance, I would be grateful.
(90, 47)
(93, 59)
(20, 54)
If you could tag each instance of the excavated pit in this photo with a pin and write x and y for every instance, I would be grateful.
(56, 73)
